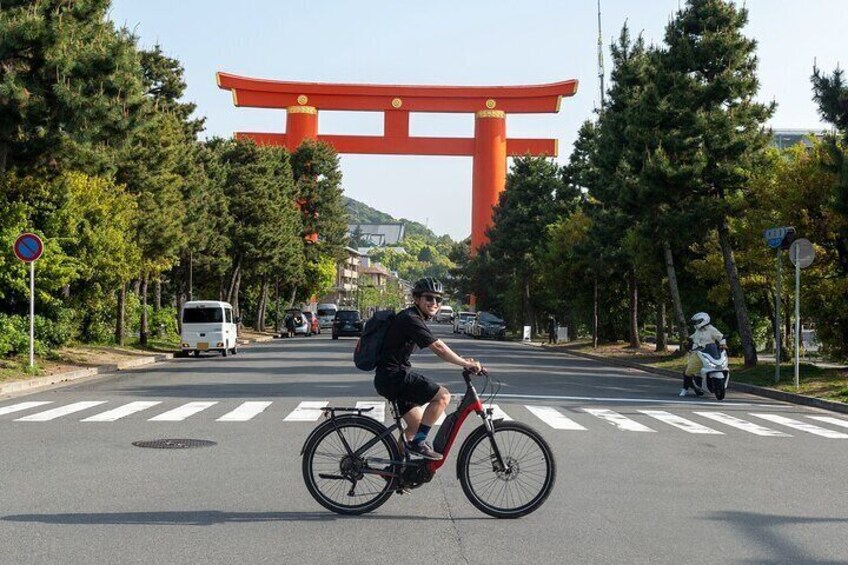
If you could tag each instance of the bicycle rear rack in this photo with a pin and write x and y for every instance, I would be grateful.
(330, 411)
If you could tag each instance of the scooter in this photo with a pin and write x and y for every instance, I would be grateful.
(715, 370)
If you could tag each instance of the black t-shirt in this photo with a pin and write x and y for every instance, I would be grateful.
(406, 332)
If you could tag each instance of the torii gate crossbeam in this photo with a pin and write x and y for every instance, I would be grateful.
(489, 147)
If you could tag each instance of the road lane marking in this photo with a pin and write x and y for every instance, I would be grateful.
(121, 411)
(22, 406)
(379, 411)
(553, 418)
(682, 423)
(183, 412)
(803, 426)
(306, 411)
(830, 420)
(61, 411)
(245, 412)
(743, 425)
(497, 413)
(621, 422)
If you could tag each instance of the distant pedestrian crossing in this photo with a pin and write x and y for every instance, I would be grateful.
(577, 419)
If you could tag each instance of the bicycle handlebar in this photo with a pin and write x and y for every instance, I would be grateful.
(469, 373)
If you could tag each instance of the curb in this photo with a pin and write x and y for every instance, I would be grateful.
(34, 385)
(741, 387)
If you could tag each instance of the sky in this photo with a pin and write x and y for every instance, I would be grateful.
(458, 42)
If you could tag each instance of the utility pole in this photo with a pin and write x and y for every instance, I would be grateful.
(600, 57)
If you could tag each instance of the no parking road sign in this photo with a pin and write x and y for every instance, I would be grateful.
(28, 247)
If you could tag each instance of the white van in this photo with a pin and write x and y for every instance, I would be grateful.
(445, 314)
(208, 325)
(326, 315)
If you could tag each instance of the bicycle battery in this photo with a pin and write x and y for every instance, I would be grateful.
(445, 432)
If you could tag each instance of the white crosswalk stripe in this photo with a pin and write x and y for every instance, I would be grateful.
(306, 411)
(22, 406)
(623, 423)
(803, 426)
(378, 412)
(61, 411)
(553, 418)
(830, 420)
(679, 422)
(183, 412)
(742, 424)
(246, 411)
(122, 411)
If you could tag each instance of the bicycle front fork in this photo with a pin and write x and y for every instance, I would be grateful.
(498, 464)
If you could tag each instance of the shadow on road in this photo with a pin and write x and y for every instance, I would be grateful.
(203, 518)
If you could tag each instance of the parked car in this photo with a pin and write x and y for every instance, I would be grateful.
(313, 322)
(348, 323)
(487, 324)
(445, 314)
(326, 314)
(301, 327)
(461, 322)
(208, 325)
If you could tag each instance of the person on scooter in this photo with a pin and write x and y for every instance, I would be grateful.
(703, 335)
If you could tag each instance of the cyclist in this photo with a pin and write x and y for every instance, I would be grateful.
(395, 379)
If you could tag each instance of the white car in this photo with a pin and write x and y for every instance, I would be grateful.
(462, 321)
(445, 314)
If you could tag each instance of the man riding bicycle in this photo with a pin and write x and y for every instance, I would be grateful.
(395, 379)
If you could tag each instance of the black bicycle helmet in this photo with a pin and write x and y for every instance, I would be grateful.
(428, 284)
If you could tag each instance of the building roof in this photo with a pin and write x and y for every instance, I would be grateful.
(375, 270)
(783, 138)
(379, 234)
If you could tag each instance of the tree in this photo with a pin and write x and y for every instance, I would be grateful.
(68, 82)
(715, 67)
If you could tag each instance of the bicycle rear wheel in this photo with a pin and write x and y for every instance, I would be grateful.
(337, 480)
(519, 489)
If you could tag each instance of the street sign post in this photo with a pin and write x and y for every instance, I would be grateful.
(28, 248)
(802, 254)
(778, 239)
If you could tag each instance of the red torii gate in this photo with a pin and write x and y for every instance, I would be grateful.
(489, 147)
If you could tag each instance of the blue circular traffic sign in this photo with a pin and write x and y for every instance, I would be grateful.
(28, 247)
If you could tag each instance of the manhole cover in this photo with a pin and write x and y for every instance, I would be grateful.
(174, 443)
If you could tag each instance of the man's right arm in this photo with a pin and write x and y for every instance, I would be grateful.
(445, 353)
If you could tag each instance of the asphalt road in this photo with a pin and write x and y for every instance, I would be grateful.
(643, 477)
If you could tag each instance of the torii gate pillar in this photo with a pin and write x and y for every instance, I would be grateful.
(301, 124)
(489, 173)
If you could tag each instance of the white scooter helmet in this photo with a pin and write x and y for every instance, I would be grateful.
(700, 320)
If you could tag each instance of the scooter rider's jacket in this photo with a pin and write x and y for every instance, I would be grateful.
(705, 336)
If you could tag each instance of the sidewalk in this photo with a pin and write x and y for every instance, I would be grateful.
(784, 396)
(94, 361)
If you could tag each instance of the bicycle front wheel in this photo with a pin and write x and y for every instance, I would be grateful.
(522, 485)
(341, 482)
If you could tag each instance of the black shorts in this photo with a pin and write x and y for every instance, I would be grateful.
(409, 389)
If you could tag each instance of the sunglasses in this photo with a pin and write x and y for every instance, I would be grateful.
(432, 298)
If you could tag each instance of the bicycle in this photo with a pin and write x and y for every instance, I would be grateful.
(352, 464)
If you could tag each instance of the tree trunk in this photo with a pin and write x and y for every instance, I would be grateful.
(277, 326)
(119, 322)
(738, 294)
(595, 313)
(527, 314)
(293, 297)
(674, 290)
(137, 287)
(235, 295)
(179, 300)
(662, 342)
(233, 279)
(142, 335)
(157, 295)
(190, 275)
(260, 309)
(4, 152)
(635, 342)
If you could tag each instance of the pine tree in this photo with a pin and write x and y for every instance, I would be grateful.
(715, 79)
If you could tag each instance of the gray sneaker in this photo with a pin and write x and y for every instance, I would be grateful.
(424, 450)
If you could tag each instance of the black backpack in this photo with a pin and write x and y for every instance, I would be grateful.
(367, 352)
